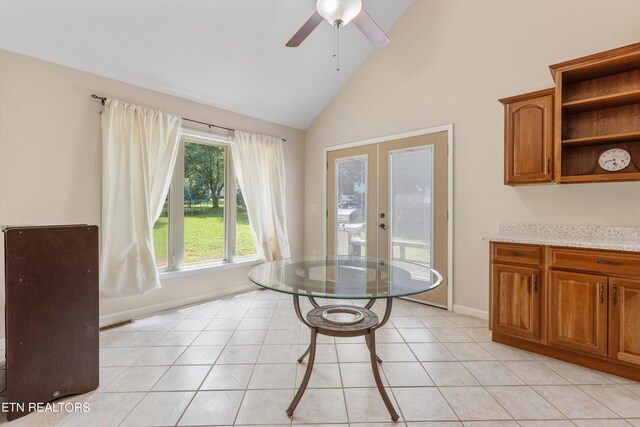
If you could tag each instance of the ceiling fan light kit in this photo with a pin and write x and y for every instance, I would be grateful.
(339, 12)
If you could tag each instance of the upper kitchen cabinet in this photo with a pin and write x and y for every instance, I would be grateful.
(597, 117)
(587, 130)
(528, 138)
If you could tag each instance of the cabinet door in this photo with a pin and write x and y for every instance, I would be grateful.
(578, 311)
(624, 320)
(528, 140)
(515, 300)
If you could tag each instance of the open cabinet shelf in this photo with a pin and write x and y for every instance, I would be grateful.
(602, 102)
(619, 177)
(597, 108)
(603, 139)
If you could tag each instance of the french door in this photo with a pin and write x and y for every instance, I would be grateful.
(389, 200)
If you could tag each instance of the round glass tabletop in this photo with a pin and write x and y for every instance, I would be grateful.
(345, 277)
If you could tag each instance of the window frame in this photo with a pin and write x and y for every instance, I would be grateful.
(175, 244)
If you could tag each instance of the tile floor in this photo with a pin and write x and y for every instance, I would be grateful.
(233, 362)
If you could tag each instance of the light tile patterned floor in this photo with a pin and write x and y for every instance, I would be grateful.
(233, 362)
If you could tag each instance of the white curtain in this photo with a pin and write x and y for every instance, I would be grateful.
(139, 150)
(259, 165)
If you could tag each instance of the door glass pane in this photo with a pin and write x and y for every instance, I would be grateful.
(203, 202)
(351, 206)
(411, 185)
(161, 236)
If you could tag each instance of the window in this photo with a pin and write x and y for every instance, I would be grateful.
(204, 220)
(161, 237)
(244, 240)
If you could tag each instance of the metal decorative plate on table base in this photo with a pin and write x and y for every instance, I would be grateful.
(347, 278)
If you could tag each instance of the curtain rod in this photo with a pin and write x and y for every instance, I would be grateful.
(210, 125)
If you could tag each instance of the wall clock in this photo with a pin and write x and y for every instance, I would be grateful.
(614, 160)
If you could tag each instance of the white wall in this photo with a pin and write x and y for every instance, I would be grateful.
(50, 164)
(448, 62)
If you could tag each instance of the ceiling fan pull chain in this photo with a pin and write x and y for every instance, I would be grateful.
(336, 45)
(334, 42)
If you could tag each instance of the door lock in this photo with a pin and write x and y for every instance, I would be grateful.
(382, 226)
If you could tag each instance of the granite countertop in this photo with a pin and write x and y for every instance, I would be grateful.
(573, 236)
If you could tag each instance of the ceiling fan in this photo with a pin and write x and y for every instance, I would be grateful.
(339, 13)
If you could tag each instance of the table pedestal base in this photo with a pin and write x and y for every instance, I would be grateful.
(363, 323)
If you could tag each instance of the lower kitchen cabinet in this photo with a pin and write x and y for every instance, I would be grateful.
(516, 300)
(573, 304)
(577, 314)
(624, 320)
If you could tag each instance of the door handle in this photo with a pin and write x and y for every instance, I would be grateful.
(601, 293)
(509, 253)
(535, 283)
(615, 294)
(602, 261)
(382, 226)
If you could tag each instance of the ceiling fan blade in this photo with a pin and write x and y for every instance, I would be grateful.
(370, 29)
(305, 30)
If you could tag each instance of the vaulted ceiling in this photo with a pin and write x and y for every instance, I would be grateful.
(225, 53)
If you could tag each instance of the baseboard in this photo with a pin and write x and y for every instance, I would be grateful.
(474, 312)
(600, 363)
(151, 309)
(423, 302)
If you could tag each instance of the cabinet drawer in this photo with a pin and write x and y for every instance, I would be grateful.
(515, 253)
(599, 261)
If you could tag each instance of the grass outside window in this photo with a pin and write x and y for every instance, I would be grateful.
(205, 226)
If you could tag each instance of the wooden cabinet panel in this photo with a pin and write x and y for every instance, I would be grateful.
(515, 300)
(611, 262)
(528, 138)
(577, 315)
(624, 320)
(516, 253)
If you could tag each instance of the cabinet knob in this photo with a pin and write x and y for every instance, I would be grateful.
(615, 294)
(535, 283)
(548, 165)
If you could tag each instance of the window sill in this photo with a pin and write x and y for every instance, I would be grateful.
(209, 268)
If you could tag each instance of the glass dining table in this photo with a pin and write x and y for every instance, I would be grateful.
(344, 278)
